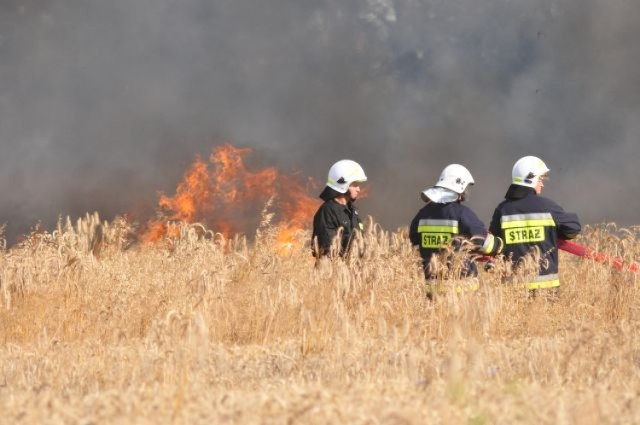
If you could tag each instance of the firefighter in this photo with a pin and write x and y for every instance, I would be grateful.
(528, 222)
(445, 222)
(337, 216)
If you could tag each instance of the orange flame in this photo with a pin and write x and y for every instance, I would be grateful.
(228, 198)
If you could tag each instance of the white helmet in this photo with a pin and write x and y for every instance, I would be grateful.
(453, 181)
(455, 177)
(527, 171)
(343, 173)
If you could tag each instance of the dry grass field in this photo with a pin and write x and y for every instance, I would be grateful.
(198, 329)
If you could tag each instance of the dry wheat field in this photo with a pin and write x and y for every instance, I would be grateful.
(199, 329)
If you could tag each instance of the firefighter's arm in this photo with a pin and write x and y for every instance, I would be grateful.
(494, 226)
(494, 229)
(325, 228)
(414, 236)
(570, 227)
(491, 245)
(486, 243)
(567, 224)
(569, 230)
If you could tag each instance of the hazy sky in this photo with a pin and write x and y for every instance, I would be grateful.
(102, 103)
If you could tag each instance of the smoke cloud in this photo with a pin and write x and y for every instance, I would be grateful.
(102, 103)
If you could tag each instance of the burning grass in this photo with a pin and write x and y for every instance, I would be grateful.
(226, 195)
(203, 328)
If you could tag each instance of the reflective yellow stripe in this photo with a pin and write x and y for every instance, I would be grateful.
(489, 242)
(443, 287)
(361, 226)
(528, 223)
(540, 282)
(542, 285)
(438, 229)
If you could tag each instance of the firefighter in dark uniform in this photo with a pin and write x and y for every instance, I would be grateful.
(528, 222)
(338, 215)
(445, 221)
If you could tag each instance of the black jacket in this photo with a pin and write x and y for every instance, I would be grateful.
(330, 217)
(438, 225)
(526, 221)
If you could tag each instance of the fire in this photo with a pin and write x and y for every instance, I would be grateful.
(297, 212)
(227, 197)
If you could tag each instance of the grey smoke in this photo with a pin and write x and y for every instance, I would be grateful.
(102, 103)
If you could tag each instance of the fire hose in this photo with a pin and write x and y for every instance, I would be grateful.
(598, 257)
(588, 253)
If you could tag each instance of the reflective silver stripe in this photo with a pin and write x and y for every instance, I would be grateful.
(532, 216)
(527, 220)
(438, 226)
(436, 222)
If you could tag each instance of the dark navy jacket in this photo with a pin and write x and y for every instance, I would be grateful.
(328, 219)
(438, 225)
(526, 221)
